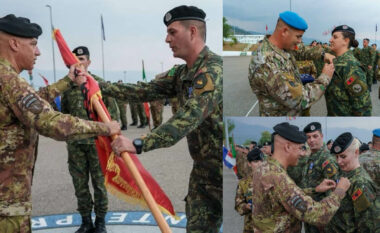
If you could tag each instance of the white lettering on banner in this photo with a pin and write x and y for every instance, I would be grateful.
(66, 221)
(143, 219)
(117, 217)
(173, 221)
(38, 223)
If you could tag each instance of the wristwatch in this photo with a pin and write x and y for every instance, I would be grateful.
(138, 143)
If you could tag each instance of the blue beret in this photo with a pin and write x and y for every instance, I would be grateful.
(290, 132)
(376, 132)
(341, 143)
(293, 20)
(184, 13)
(19, 26)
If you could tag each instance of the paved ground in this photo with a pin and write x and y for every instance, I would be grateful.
(53, 192)
(238, 98)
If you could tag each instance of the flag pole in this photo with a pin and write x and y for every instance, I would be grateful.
(161, 222)
(102, 37)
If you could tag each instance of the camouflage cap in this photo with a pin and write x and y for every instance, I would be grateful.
(293, 20)
(255, 154)
(183, 12)
(290, 132)
(341, 143)
(313, 126)
(19, 26)
(343, 28)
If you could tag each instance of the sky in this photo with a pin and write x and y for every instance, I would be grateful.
(332, 127)
(134, 31)
(321, 15)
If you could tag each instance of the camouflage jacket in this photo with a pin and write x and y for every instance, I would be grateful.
(242, 198)
(279, 203)
(348, 94)
(275, 79)
(317, 167)
(358, 211)
(367, 56)
(242, 167)
(370, 161)
(24, 114)
(199, 117)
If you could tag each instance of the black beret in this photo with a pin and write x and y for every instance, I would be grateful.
(253, 142)
(363, 147)
(313, 126)
(290, 132)
(330, 141)
(341, 143)
(343, 28)
(81, 50)
(184, 13)
(19, 26)
(267, 143)
(255, 154)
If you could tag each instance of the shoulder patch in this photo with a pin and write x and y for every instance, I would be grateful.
(325, 163)
(294, 87)
(298, 203)
(355, 86)
(203, 83)
(360, 200)
(31, 103)
(172, 71)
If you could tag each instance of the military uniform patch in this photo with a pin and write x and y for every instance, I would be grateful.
(350, 80)
(202, 83)
(298, 203)
(31, 103)
(358, 88)
(360, 200)
(325, 163)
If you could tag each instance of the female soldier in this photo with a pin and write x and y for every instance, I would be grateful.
(347, 94)
(359, 210)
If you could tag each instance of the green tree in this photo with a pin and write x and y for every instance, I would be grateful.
(226, 28)
(265, 136)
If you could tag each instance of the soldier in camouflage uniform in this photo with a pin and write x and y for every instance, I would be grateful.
(174, 105)
(370, 160)
(156, 109)
(198, 87)
(242, 167)
(133, 108)
(278, 203)
(83, 159)
(347, 94)
(24, 114)
(318, 166)
(123, 112)
(360, 209)
(367, 59)
(274, 76)
(243, 197)
(109, 102)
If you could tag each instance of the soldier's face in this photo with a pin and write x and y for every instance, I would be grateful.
(84, 61)
(337, 42)
(365, 43)
(178, 37)
(266, 150)
(28, 52)
(348, 160)
(315, 140)
(292, 37)
(296, 152)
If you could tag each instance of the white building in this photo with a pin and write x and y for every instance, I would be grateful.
(247, 39)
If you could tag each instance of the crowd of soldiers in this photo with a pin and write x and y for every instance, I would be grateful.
(288, 77)
(330, 187)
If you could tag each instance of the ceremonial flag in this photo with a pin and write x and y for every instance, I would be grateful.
(146, 105)
(43, 78)
(118, 179)
(57, 100)
(228, 159)
(102, 26)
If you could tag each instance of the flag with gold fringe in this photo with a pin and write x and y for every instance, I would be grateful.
(118, 179)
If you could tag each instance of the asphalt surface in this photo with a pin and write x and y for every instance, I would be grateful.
(238, 98)
(53, 191)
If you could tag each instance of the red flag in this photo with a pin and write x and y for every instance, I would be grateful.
(118, 178)
(266, 27)
(45, 80)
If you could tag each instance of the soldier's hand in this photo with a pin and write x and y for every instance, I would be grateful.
(370, 67)
(344, 184)
(325, 185)
(77, 74)
(114, 127)
(328, 58)
(328, 69)
(121, 144)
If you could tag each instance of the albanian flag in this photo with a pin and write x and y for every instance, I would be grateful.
(118, 179)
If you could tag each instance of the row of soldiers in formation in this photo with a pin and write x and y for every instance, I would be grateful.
(284, 85)
(359, 209)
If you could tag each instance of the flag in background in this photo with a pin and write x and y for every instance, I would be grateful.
(118, 179)
(266, 27)
(57, 100)
(146, 105)
(228, 159)
(102, 25)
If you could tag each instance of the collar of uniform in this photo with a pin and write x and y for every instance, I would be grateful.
(281, 52)
(315, 155)
(352, 173)
(6, 63)
(190, 73)
(275, 162)
(343, 57)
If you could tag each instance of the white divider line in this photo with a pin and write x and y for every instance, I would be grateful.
(250, 110)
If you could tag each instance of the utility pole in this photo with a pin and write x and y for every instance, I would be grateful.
(52, 40)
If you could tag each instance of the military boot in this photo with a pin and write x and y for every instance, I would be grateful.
(87, 226)
(100, 225)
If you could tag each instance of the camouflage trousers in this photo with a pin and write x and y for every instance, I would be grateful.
(15, 224)
(204, 211)
(156, 108)
(83, 162)
(123, 114)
